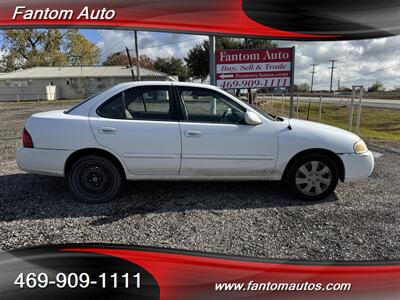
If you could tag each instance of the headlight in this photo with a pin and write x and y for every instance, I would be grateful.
(360, 147)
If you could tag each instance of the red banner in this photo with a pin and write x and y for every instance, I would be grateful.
(185, 276)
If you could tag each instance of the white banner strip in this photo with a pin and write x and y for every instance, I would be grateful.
(253, 67)
(254, 83)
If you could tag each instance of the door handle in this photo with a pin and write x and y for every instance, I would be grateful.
(107, 130)
(193, 133)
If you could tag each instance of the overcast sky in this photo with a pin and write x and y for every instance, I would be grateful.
(359, 62)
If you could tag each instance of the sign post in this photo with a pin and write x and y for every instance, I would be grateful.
(212, 59)
(292, 83)
(252, 69)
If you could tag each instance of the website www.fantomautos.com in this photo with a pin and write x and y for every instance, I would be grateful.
(284, 287)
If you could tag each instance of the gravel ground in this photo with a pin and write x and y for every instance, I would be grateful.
(360, 221)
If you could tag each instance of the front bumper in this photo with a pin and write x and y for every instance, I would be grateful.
(42, 161)
(357, 166)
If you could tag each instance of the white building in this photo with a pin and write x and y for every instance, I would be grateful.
(68, 82)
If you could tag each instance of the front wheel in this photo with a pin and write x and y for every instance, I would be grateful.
(312, 176)
(94, 179)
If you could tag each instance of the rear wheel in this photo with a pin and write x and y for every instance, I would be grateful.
(312, 176)
(94, 179)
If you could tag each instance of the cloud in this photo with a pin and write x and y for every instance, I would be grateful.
(153, 44)
(359, 62)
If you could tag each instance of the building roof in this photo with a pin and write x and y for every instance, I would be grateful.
(78, 71)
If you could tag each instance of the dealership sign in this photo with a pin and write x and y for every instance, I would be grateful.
(238, 69)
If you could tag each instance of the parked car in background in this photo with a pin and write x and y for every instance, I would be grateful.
(185, 131)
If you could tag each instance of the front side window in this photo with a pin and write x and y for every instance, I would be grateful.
(203, 105)
(140, 103)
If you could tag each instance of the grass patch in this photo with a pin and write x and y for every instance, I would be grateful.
(375, 123)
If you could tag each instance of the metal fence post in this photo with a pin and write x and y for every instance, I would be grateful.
(359, 111)
(297, 107)
(272, 103)
(283, 104)
(320, 109)
(308, 110)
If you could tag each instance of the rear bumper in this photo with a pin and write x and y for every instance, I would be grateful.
(357, 166)
(42, 161)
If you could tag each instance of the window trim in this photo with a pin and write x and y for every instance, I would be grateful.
(183, 107)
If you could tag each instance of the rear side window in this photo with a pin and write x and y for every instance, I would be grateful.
(148, 103)
(143, 103)
(112, 108)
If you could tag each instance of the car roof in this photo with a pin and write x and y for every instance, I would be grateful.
(126, 85)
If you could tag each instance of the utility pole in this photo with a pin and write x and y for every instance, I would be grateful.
(312, 76)
(137, 57)
(130, 63)
(338, 84)
(333, 67)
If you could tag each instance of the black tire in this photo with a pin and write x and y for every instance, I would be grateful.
(322, 183)
(94, 179)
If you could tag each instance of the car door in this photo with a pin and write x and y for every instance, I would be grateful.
(217, 142)
(140, 125)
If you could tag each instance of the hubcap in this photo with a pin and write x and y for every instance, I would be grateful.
(313, 178)
(95, 179)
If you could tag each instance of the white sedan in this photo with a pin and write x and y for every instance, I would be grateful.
(185, 131)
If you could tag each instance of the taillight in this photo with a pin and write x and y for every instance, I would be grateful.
(27, 139)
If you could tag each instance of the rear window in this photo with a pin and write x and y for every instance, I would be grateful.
(84, 101)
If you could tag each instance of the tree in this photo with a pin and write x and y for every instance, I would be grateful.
(117, 59)
(344, 89)
(121, 59)
(172, 66)
(198, 58)
(302, 88)
(145, 62)
(27, 48)
(376, 87)
(79, 50)
(198, 61)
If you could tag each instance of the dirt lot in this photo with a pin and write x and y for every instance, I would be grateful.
(360, 221)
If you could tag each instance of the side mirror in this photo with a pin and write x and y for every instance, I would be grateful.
(252, 118)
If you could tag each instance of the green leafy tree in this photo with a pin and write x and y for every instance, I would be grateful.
(79, 50)
(197, 61)
(27, 48)
(198, 58)
(172, 66)
(376, 87)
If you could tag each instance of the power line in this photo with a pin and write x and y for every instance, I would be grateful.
(105, 52)
(171, 43)
(366, 74)
(380, 70)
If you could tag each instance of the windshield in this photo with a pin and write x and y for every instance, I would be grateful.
(263, 113)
